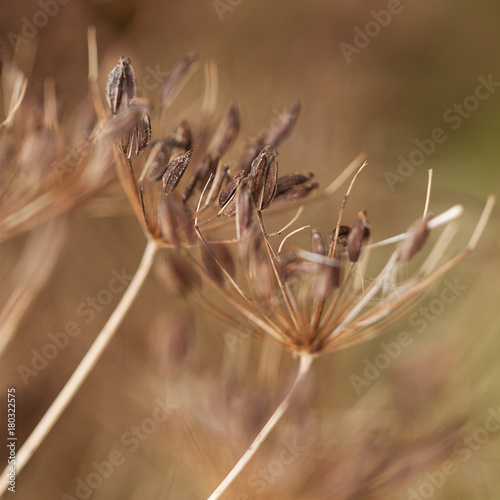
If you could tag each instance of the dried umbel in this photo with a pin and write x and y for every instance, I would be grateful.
(48, 167)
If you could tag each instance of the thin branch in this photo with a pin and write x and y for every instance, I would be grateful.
(84, 368)
(305, 364)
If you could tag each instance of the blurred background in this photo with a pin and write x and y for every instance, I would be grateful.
(375, 77)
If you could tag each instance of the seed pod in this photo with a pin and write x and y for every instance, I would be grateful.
(130, 81)
(174, 77)
(121, 85)
(175, 171)
(291, 181)
(143, 134)
(359, 234)
(342, 237)
(318, 243)
(283, 126)
(297, 193)
(226, 132)
(215, 256)
(265, 173)
(114, 87)
(227, 200)
(125, 144)
(417, 235)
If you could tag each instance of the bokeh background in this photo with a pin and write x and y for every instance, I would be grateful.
(389, 94)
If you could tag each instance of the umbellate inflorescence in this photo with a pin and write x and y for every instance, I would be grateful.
(311, 301)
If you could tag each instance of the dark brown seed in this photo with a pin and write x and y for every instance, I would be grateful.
(265, 174)
(297, 193)
(215, 256)
(175, 76)
(342, 237)
(359, 234)
(226, 132)
(417, 236)
(227, 200)
(157, 162)
(143, 134)
(175, 171)
(283, 125)
(292, 181)
(272, 137)
(114, 87)
(318, 243)
(125, 144)
(121, 86)
(130, 82)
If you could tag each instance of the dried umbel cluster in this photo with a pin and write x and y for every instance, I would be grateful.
(47, 167)
(311, 301)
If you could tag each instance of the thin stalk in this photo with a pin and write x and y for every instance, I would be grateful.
(305, 364)
(84, 368)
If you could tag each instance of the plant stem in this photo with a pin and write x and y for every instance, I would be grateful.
(85, 367)
(305, 364)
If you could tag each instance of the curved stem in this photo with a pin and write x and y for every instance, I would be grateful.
(305, 364)
(84, 368)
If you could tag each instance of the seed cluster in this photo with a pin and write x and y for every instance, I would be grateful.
(311, 301)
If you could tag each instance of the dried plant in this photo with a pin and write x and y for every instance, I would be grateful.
(207, 225)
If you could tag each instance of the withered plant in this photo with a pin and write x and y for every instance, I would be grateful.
(208, 225)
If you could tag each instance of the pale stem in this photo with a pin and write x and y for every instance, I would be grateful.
(305, 364)
(84, 368)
